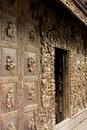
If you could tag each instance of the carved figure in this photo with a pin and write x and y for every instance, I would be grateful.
(32, 35)
(31, 125)
(31, 64)
(11, 126)
(9, 63)
(11, 29)
(10, 99)
(31, 93)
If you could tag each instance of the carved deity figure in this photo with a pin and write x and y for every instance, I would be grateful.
(31, 125)
(31, 36)
(31, 64)
(10, 99)
(11, 29)
(9, 63)
(11, 126)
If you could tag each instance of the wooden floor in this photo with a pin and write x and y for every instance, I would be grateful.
(81, 126)
(77, 122)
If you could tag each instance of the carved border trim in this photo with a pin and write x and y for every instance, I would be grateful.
(82, 5)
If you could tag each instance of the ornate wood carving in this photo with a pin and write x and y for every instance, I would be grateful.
(10, 99)
(9, 63)
(31, 64)
(82, 5)
(30, 93)
(34, 9)
(31, 125)
(32, 36)
(11, 126)
(11, 29)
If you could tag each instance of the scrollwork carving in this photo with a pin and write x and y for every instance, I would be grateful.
(31, 64)
(10, 99)
(9, 63)
(11, 126)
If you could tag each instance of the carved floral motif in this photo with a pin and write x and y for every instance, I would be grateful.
(10, 99)
(11, 29)
(11, 126)
(31, 64)
(9, 63)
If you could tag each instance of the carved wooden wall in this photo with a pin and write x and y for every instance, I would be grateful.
(29, 32)
(19, 67)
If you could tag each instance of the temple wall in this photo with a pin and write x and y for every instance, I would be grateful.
(39, 28)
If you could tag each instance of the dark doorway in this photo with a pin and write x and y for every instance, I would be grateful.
(61, 75)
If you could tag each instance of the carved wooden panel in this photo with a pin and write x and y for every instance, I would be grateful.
(30, 64)
(10, 4)
(31, 35)
(9, 62)
(29, 123)
(8, 97)
(9, 122)
(9, 28)
(30, 93)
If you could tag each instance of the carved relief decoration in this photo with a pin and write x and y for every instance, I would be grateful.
(32, 36)
(31, 64)
(11, 126)
(50, 38)
(30, 94)
(31, 125)
(34, 9)
(82, 5)
(10, 99)
(11, 29)
(8, 1)
(9, 63)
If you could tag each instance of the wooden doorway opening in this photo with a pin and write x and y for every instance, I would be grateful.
(61, 85)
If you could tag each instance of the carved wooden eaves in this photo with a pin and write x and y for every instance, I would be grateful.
(82, 5)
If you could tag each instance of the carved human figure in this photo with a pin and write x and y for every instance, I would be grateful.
(31, 125)
(9, 63)
(31, 64)
(32, 35)
(10, 99)
(11, 29)
(11, 126)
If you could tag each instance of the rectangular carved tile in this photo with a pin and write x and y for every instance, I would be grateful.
(29, 121)
(30, 93)
(30, 64)
(9, 123)
(9, 29)
(31, 35)
(9, 62)
(8, 96)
